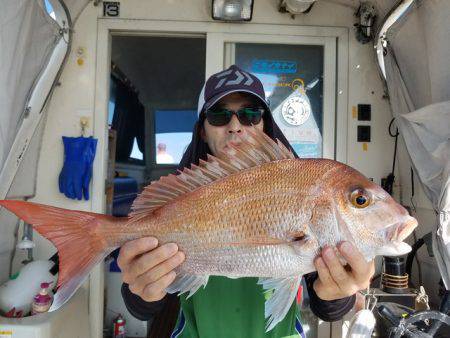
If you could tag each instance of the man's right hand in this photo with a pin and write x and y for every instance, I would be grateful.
(147, 268)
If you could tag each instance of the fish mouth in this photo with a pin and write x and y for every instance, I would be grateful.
(401, 230)
(395, 235)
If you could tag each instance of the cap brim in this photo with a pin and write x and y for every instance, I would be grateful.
(212, 101)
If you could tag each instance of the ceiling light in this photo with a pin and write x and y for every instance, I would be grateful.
(296, 6)
(232, 10)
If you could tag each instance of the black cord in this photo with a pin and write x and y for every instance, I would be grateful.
(412, 190)
(395, 146)
(390, 125)
(388, 183)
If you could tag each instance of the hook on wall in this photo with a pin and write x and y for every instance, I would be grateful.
(84, 122)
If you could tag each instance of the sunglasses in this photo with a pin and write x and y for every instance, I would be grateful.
(247, 116)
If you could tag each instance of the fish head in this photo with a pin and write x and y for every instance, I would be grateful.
(369, 217)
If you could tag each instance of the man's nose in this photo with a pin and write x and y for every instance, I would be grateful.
(234, 126)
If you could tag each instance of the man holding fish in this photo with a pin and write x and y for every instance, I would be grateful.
(237, 230)
(234, 307)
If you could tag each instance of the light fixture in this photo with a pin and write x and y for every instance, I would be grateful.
(366, 15)
(296, 6)
(232, 10)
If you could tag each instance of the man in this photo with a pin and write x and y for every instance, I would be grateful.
(162, 156)
(230, 103)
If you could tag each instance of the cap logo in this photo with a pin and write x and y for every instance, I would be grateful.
(240, 77)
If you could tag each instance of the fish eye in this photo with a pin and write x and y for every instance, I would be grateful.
(360, 199)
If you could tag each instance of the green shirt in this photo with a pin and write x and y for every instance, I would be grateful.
(231, 308)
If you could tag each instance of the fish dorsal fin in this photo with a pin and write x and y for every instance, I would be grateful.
(254, 149)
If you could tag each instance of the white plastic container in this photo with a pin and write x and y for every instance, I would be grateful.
(70, 321)
(18, 293)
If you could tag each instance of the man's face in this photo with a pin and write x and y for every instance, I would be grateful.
(219, 138)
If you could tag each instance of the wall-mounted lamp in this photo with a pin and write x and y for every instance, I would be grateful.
(366, 15)
(232, 10)
(296, 6)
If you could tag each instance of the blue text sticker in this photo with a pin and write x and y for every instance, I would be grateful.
(274, 66)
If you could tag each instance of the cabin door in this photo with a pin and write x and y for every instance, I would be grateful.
(299, 75)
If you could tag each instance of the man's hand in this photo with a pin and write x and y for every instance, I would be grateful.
(148, 268)
(336, 281)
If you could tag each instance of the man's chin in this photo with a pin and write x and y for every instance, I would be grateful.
(228, 150)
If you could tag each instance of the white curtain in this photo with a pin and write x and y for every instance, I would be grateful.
(418, 79)
(28, 37)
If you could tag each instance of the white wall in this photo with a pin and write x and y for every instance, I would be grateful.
(75, 96)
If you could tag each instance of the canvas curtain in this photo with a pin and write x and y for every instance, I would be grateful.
(418, 79)
(128, 121)
(28, 37)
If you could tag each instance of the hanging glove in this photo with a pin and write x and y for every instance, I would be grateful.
(89, 160)
(79, 153)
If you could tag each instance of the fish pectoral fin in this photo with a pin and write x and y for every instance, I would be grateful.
(278, 305)
(184, 283)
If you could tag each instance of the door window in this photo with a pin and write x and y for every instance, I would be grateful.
(292, 76)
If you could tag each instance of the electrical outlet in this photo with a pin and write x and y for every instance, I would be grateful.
(364, 112)
(363, 134)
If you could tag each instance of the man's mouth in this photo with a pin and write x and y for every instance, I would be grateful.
(231, 144)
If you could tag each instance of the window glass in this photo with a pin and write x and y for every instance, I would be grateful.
(173, 132)
(292, 77)
(160, 122)
(135, 152)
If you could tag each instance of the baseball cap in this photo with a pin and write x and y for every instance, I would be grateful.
(231, 80)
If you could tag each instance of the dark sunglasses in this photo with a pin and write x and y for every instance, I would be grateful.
(247, 116)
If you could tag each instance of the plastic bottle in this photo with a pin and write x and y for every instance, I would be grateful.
(42, 301)
(18, 293)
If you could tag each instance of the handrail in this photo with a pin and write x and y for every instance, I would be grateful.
(391, 18)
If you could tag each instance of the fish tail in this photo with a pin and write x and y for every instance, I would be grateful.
(78, 236)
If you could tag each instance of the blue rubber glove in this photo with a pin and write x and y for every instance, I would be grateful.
(79, 153)
(89, 160)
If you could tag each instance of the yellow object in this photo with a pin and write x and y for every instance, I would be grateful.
(84, 123)
(80, 61)
(354, 112)
(365, 146)
(298, 84)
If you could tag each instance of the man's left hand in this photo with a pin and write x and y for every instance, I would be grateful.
(336, 281)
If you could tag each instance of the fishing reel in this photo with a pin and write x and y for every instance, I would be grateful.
(397, 321)
(388, 319)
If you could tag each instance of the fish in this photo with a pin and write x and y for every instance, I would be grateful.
(253, 211)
